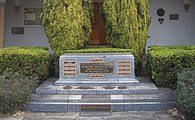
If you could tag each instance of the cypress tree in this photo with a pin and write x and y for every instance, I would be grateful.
(127, 23)
(67, 23)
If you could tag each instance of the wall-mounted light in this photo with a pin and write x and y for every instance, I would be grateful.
(17, 6)
(186, 5)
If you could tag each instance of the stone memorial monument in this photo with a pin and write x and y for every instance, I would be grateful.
(97, 69)
(99, 82)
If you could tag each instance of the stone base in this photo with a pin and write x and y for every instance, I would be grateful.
(97, 82)
(97, 69)
(92, 89)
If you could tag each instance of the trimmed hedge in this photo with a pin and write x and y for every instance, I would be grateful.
(15, 89)
(99, 50)
(27, 61)
(183, 47)
(164, 63)
(186, 93)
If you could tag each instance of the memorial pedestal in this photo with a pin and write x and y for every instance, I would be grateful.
(97, 69)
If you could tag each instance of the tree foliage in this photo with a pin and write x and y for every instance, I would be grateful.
(127, 23)
(15, 90)
(186, 93)
(67, 23)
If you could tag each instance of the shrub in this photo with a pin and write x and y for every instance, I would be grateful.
(99, 50)
(183, 47)
(67, 23)
(15, 90)
(164, 63)
(127, 23)
(186, 93)
(27, 61)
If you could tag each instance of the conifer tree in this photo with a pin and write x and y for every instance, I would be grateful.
(127, 23)
(67, 23)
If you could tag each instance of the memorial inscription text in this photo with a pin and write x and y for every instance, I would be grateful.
(102, 67)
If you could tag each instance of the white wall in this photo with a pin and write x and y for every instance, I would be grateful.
(171, 32)
(33, 36)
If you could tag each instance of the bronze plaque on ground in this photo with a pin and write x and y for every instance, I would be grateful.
(102, 67)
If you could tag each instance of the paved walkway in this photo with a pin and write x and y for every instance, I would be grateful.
(149, 115)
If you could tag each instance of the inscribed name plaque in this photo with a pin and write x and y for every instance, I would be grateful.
(96, 68)
(69, 68)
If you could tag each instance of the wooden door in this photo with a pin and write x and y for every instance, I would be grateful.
(98, 36)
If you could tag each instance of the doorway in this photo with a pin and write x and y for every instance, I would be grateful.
(98, 35)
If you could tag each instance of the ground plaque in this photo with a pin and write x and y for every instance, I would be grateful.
(97, 68)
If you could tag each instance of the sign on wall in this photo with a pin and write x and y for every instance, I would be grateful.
(32, 16)
(174, 16)
(18, 30)
(2, 1)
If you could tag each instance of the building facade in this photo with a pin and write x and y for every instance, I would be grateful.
(172, 23)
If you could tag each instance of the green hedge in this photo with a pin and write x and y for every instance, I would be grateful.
(183, 47)
(28, 61)
(164, 63)
(15, 90)
(186, 93)
(99, 50)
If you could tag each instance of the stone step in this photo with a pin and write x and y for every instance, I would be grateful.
(140, 81)
(114, 107)
(102, 82)
(163, 100)
(85, 90)
(115, 99)
(145, 87)
(163, 95)
(145, 96)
